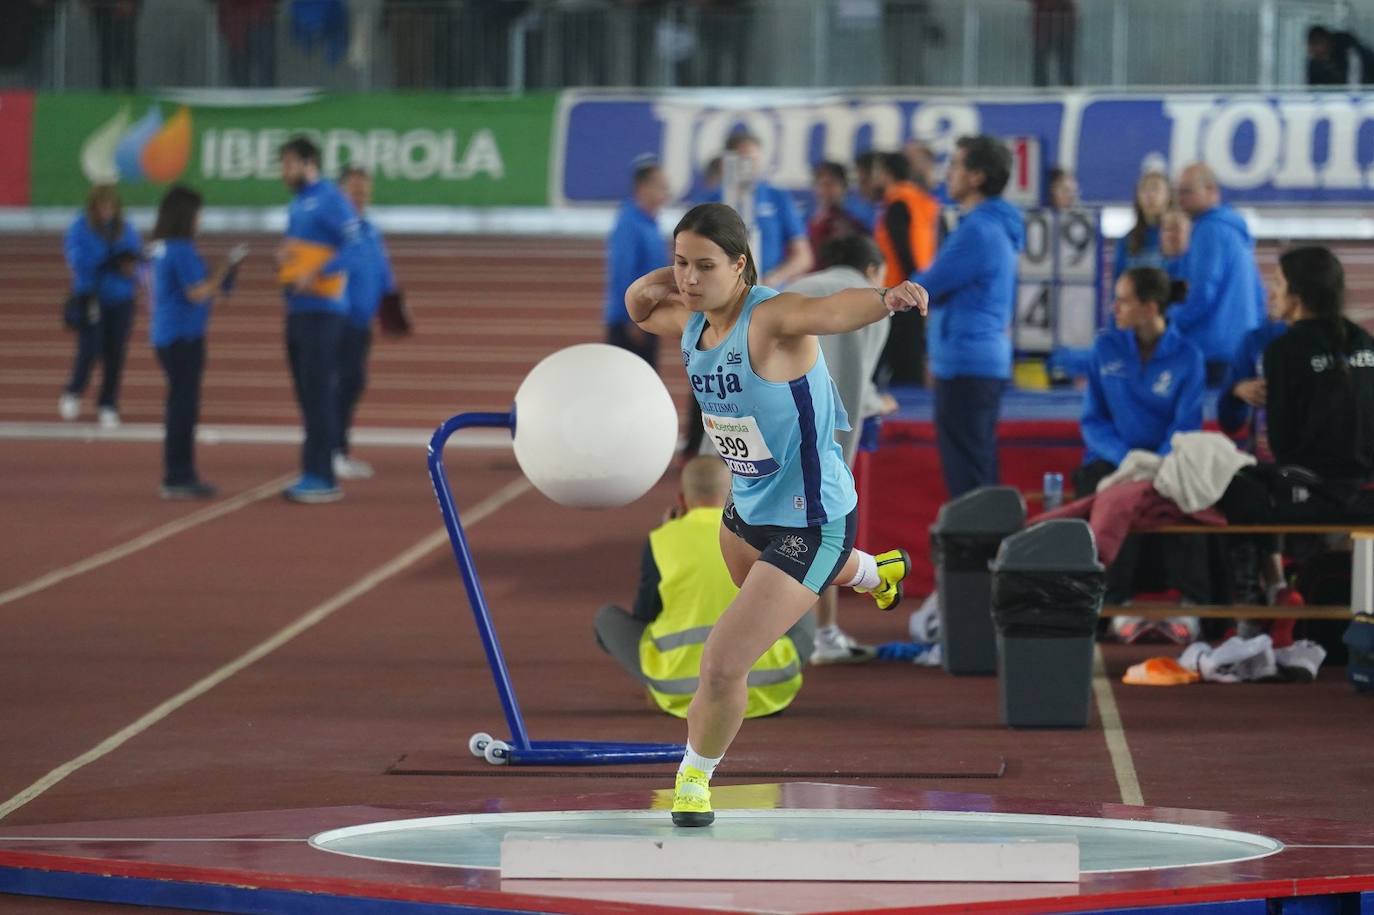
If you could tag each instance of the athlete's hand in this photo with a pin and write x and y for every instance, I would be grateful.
(906, 296)
(1254, 391)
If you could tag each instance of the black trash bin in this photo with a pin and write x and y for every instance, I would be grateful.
(963, 540)
(1047, 588)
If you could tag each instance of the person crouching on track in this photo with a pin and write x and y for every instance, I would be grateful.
(102, 251)
(183, 291)
(1145, 384)
(684, 587)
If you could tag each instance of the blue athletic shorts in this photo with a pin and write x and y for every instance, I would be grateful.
(811, 555)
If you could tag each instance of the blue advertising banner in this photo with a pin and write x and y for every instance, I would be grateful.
(1265, 148)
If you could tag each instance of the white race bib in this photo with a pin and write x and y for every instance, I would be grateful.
(740, 443)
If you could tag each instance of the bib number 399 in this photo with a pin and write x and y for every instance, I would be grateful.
(740, 444)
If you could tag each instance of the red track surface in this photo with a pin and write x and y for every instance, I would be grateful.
(397, 671)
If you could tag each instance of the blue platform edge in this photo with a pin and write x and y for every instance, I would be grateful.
(150, 892)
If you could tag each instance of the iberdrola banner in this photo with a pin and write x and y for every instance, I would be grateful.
(421, 149)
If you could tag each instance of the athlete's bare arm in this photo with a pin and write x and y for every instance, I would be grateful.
(656, 305)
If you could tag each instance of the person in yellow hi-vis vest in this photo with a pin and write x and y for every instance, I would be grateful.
(683, 589)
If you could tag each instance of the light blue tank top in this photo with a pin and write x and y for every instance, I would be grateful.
(778, 438)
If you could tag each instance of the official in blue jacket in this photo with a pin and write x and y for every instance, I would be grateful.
(783, 250)
(369, 279)
(635, 247)
(183, 290)
(1225, 293)
(1146, 383)
(322, 237)
(972, 286)
(103, 252)
(1141, 247)
(1146, 380)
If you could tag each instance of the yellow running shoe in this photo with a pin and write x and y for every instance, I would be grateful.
(893, 566)
(692, 799)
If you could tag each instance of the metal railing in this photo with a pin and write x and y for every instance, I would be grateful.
(517, 45)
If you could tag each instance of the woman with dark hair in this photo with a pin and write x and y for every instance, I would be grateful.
(183, 290)
(1141, 247)
(102, 252)
(1145, 384)
(1319, 376)
(770, 408)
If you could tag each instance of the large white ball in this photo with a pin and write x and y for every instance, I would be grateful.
(594, 426)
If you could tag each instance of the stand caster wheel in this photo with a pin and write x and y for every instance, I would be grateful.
(497, 753)
(477, 744)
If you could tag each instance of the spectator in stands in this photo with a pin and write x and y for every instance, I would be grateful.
(908, 222)
(1140, 247)
(116, 30)
(1145, 384)
(102, 251)
(972, 286)
(830, 184)
(249, 28)
(1336, 58)
(852, 358)
(1225, 293)
(1054, 29)
(23, 41)
(183, 291)
(369, 279)
(1063, 189)
(684, 586)
(322, 236)
(635, 247)
(1320, 374)
(783, 251)
(1241, 412)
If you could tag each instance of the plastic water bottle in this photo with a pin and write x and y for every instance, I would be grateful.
(1054, 491)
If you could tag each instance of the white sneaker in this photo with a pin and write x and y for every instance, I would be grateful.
(349, 468)
(833, 646)
(69, 406)
(109, 418)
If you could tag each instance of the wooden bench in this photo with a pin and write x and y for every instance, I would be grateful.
(1160, 610)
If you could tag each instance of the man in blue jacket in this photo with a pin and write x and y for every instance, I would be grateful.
(635, 247)
(1225, 293)
(369, 278)
(783, 251)
(321, 238)
(972, 286)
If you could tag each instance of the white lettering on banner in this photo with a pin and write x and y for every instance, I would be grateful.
(694, 134)
(239, 153)
(1285, 136)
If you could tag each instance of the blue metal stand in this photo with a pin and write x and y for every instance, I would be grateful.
(520, 749)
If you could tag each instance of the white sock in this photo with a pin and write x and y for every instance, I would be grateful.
(866, 577)
(705, 764)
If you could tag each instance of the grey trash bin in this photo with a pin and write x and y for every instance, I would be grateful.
(963, 540)
(1047, 588)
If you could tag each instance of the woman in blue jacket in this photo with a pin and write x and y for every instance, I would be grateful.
(183, 290)
(1145, 384)
(102, 252)
(1141, 247)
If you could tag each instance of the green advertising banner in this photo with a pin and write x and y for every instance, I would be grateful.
(421, 148)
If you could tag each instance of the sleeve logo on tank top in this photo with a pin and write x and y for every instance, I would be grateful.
(733, 358)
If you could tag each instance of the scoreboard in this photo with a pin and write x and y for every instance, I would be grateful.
(1059, 282)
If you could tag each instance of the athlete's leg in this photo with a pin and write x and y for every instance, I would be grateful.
(769, 603)
(739, 556)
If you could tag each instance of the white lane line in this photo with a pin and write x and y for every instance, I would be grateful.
(1115, 732)
(143, 541)
(371, 580)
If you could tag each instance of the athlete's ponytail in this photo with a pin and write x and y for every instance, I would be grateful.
(722, 225)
